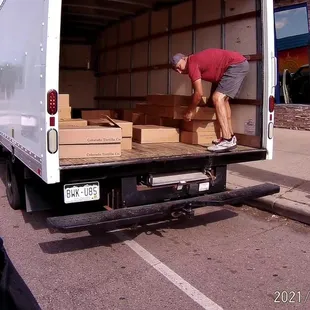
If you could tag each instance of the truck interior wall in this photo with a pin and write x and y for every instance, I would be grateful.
(76, 76)
(134, 64)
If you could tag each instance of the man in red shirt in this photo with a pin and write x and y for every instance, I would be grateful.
(226, 71)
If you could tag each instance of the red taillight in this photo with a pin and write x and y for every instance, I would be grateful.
(52, 102)
(271, 103)
(52, 121)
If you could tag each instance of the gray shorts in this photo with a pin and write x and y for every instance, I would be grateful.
(232, 80)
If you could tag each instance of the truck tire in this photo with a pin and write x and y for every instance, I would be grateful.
(15, 189)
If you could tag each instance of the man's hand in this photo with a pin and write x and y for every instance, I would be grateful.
(188, 115)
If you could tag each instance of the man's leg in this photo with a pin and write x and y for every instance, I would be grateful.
(228, 112)
(210, 102)
(230, 85)
(227, 142)
(219, 101)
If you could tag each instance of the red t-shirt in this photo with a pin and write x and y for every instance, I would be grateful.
(211, 64)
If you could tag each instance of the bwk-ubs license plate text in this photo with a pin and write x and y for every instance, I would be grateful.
(74, 193)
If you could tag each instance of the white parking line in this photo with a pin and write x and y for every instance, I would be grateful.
(184, 286)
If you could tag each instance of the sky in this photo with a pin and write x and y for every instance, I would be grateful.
(291, 22)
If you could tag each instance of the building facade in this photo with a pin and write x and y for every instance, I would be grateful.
(292, 27)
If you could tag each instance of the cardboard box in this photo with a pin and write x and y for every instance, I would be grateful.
(127, 115)
(141, 107)
(171, 100)
(126, 143)
(155, 134)
(138, 118)
(63, 101)
(64, 113)
(72, 123)
(168, 122)
(176, 111)
(173, 107)
(162, 121)
(152, 120)
(201, 113)
(125, 126)
(201, 137)
(96, 114)
(197, 126)
(146, 108)
(96, 122)
(91, 135)
(134, 117)
(90, 150)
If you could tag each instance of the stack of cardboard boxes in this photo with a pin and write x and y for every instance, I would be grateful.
(101, 133)
(167, 111)
(78, 140)
(64, 112)
(94, 141)
(200, 132)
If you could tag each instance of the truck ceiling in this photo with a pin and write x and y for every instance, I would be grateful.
(84, 19)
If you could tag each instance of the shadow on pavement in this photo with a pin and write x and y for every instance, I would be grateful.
(98, 238)
(14, 292)
(267, 176)
(37, 219)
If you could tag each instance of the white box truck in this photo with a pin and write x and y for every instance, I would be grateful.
(114, 55)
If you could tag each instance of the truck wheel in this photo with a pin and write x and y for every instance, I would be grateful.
(15, 189)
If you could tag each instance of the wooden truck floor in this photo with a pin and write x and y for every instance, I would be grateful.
(154, 151)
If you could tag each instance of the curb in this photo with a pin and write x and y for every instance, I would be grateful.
(290, 209)
(281, 206)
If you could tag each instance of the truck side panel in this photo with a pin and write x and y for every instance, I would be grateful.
(51, 39)
(23, 81)
(22, 89)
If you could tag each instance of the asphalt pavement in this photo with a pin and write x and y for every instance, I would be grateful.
(224, 258)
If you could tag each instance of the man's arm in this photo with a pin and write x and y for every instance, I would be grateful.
(197, 96)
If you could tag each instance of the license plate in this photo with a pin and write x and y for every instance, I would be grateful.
(204, 187)
(81, 192)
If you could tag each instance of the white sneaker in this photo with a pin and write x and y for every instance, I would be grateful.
(217, 141)
(223, 146)
(221, 139)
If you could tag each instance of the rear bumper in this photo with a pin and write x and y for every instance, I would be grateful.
(117, 218)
